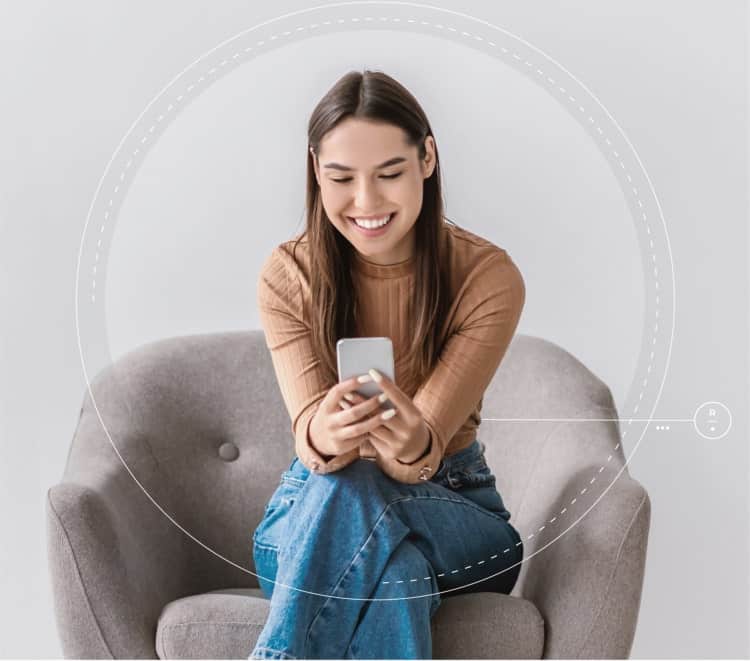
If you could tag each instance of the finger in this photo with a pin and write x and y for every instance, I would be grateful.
(377, 443)
(336, 392)
(354, 412)
(355, 442)
(346, 386)
(381, 434)
(346, 442)
(351, 400)
(388, 387)
(382, 447)
(343, 388)
(354, 398)
(358, 412)
(390, 423)
(372, 422)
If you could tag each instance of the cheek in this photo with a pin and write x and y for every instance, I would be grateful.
(334, 199)
(412, 186)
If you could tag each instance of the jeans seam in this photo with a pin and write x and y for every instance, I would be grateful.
(465, 502)
(293, 481)
(266, 547)
(343, 574)
(284, 655)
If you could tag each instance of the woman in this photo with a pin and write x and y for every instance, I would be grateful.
(376, 517)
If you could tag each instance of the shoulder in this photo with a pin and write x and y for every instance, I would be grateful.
(486, 285)
(479, 260)
(286, 260)
(284, 274)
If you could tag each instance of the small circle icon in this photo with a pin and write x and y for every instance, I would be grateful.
(712, 420)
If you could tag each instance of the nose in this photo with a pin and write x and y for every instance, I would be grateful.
(367, 198)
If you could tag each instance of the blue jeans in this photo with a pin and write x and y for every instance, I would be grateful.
(354, 562)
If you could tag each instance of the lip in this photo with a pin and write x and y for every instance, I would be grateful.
(374, 232)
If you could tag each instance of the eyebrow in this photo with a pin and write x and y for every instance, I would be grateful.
(390, 161)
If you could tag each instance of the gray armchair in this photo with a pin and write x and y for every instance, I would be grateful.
(152, 499)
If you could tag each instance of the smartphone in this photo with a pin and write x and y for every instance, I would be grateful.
(356, 355)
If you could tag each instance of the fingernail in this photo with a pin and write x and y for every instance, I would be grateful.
(388, 414)
(345, 405)
(375, 375)
(349, 397)
(382, 397)
(364, 378)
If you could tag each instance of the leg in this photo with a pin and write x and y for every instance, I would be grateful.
(393, 626)
(268, 535)
(344, 528)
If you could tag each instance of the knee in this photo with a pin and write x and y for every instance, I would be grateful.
(360, 474)
(351, 484)
(362, 482)
(407, 566)
(408, 573)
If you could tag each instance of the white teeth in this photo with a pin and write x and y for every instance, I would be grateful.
(372, 224)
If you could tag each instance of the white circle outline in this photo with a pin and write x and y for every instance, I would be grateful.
(437, 9)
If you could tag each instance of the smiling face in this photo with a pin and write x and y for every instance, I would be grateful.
(352, 185)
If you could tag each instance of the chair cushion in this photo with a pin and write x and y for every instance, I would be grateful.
(221, 624)
(224, 624)
(487, 625)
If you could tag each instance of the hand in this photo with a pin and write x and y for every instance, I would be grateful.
(405, 436)
(333, 431)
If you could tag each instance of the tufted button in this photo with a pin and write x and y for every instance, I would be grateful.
(228, 451)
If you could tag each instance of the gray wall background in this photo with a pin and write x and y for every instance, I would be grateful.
(224, 184)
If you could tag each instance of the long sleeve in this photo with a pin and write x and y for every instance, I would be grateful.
(489, 310)
(289, 339)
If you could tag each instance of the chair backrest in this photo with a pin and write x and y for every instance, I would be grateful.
(537, 388)
(200, 423)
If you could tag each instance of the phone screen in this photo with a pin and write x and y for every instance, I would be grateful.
(357, 355)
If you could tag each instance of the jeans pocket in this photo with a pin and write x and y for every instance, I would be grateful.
(270, 531)
(297, 470)
(266, 567)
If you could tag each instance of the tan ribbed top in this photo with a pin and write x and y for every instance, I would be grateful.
(487, 293)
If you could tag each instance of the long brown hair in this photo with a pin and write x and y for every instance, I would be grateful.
(375, 96)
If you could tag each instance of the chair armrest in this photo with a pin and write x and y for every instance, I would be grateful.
(117, 553)
(586, 580)
(115, 562)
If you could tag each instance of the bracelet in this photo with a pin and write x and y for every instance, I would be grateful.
(420, 457)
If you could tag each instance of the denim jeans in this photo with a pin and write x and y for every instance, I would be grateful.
(355, 562)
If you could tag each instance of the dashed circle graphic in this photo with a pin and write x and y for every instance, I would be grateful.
(468, 30)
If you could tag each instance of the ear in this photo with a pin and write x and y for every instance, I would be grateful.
(429, 161)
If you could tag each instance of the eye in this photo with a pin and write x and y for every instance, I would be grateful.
(384, 176)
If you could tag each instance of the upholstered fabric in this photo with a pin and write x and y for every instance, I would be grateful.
(224, 624)
(150, 529)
